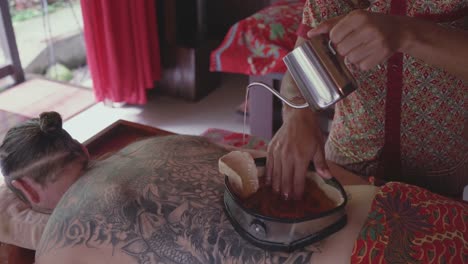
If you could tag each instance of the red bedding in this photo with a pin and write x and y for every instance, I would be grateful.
(257, 44)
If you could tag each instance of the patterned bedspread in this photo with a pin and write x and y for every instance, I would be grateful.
(257, 44)
(408, 224)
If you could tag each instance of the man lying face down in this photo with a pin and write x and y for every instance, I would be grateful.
(155, 201)
(40, 161)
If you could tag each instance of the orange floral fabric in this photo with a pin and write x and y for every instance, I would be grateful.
(408, 224)
(257, 44)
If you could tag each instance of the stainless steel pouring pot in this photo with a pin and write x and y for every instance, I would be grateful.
(320, 73)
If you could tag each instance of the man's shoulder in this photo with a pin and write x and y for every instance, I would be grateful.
(162, 143)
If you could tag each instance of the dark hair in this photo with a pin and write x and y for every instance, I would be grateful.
(38, 149)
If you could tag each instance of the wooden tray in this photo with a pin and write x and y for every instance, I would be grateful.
(118, 135)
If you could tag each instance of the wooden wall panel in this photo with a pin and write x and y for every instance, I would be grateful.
(189, 31)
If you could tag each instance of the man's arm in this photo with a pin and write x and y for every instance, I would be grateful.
(297, 142)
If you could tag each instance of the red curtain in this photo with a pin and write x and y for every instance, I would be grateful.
(122, 48)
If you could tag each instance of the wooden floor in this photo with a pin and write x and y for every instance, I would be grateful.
(31, 98)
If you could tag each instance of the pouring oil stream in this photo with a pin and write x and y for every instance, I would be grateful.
(275, 93)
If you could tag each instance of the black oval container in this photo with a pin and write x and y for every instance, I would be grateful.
(283, 234)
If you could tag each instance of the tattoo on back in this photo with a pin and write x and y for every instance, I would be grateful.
(157, 200)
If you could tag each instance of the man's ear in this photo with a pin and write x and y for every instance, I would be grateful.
(27, 189)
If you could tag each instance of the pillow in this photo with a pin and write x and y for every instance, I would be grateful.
(19, 225)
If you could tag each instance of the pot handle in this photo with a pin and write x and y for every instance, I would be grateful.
(330, 47)
(274, 92)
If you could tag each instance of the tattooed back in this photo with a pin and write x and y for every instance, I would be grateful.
(156, 201)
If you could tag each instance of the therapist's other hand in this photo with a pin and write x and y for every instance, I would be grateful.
(366, 39)
(297, 142)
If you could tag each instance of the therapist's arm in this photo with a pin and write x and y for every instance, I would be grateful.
(368, 39)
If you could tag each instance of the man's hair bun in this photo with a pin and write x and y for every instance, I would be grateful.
(50, 122)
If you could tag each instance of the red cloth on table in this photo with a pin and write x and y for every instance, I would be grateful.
(122, 48)
(226, 137)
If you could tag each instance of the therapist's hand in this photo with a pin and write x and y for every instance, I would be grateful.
(297, 142)
(366, 39)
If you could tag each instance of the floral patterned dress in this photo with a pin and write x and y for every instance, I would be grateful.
(407, 121)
